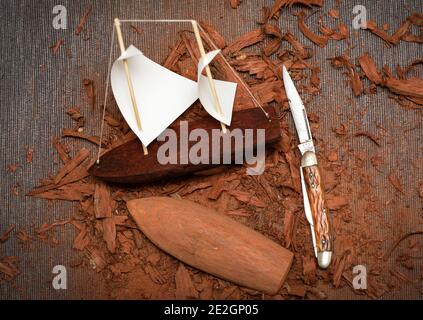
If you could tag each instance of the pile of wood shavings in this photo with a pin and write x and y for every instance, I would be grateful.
(271, 203)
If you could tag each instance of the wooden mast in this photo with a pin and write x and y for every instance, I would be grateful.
(208, 72)
(128, 79)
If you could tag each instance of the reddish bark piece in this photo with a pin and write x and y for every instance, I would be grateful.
(368, 135)
(320, 40)
(279, 4)
(274, 44)
(296, 45)
(294, 169)
(29, 154)
(239, 254)
(412, 87)
(174, 55)
(354, 78)
(372, 26)
(71, 192)
(196, 186)
(8, 266)
(6, 234)
(184, 287)
(416, 18)
(81, 240)
(401, 31)
(339, 265)
(411, 65)
(83, 20)
(111, 121)
(369, 67)
(76, 115)
(46, 227)
(55, 47)
(339, 33)
(272, 47)
(272, 30)
(314, 77)
(109, 233)
(76, 134)
(102, 200)
(412, 38)
(246, 40)
(75, 175)
(309, 270)
(69, 166)
(247, 197)
(289, 226)
(297, 290)
(334, 13)
(333, 156)
(22, 236)
(136, 29)
(61, 150)
(96, 257)
(214, 35)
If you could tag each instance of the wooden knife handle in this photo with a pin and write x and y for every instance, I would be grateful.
(318, 206)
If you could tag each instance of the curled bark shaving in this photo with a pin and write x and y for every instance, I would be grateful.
(174, 55)
(354, 78)
(272, 47)
(215, 36)
(245, 40)
(416, 18)
(412, 87)
(402, 30)
(298, 47)
(279, 4)
(271, 29)
(411, 65)
(402, 33)
(83, 20)
(412, 38)
(372, 26)
(370, 69)
(274, 44)
(339, 33)
(320, 40)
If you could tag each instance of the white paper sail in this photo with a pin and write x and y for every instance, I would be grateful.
(162, 95)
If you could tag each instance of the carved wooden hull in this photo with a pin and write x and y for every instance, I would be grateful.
(127, 163)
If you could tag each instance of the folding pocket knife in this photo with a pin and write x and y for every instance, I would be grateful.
(315, 206)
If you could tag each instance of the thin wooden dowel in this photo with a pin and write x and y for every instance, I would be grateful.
(208, 73)
(129, 80)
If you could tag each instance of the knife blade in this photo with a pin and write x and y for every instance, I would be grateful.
(315, 206)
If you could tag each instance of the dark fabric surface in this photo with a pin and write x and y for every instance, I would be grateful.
(37, 86)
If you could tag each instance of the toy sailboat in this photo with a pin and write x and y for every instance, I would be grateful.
(162, 95)
(151, 97)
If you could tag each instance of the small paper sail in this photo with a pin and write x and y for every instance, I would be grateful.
(162, 95)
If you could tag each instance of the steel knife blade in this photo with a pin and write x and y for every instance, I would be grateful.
(315, 206)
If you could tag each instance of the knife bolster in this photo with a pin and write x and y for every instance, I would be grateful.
(309, 159)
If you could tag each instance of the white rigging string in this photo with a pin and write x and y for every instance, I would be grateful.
(215, 47)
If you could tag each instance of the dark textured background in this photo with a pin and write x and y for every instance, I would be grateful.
(37, 86)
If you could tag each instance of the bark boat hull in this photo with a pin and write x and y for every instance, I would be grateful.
(126, 163)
